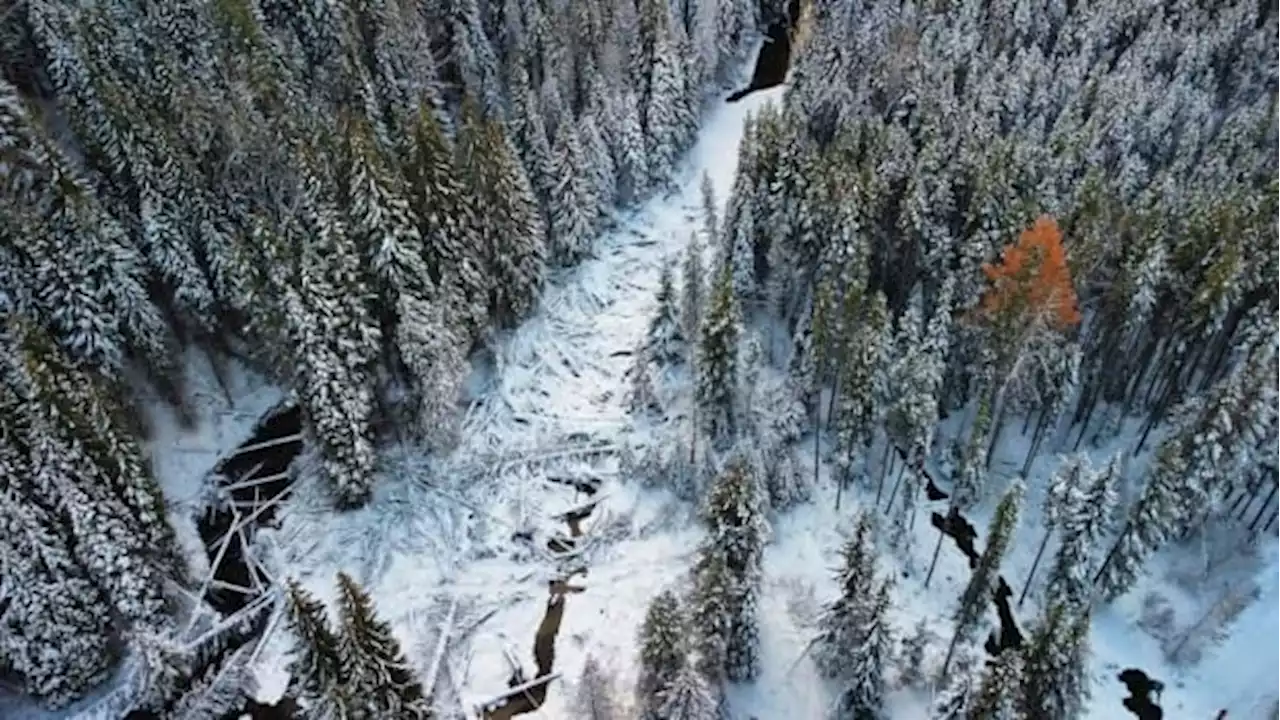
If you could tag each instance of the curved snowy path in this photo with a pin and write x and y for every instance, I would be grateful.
(439, 530)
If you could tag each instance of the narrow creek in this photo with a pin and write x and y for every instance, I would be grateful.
(525, 695)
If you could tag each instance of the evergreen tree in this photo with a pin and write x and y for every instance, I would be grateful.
(574, 202)
(692, 290)
(997, 694)
(957, 695)
(379, 680)
(594, 698)
(668, 117)
(728, 577)
(663, 651)
(718, 363)
(973, 602)
(858, 408)
(642, 399)
(863, 697)
(666, 344)
(1082, 523)
(1151, 522)
(710, 210)
(687, 697)
(446, 210)
(1055, 674)
(632, 160)
(317, 674)
(914, 649)
(513, 231)
(846, 621)
(54, 634)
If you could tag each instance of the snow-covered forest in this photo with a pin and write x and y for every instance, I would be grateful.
(352, 348)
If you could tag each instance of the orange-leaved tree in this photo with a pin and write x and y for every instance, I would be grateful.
(1032, 280)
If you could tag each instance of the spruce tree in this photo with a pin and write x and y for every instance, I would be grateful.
(317, 674)
(692, 289)
(55, 630)
(914, 649)
(663, 651)
(642, 399)
(688, 697)
(728, 577)
(1055, 674)
(666, 341)
(718, 363)
(997, 695)
(574, 202)
(977, 594)
(858, 409)
(513, 229)
(378, 677)
(667, 116)
(594, 697)
(632, 160)
(1151, 522)
(863, 697)
(957, 689)
(846, 620)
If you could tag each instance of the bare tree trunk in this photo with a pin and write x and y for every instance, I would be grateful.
(896, 484)
(1034, 565)
(886, 461)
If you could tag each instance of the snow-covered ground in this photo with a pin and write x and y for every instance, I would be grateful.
(442, 530)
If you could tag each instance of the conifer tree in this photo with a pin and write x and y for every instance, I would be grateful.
(688, 697)
(863, 697)
(728, 577)
(718, 363)
(973, 602)
(446, 209)
(594, 697)
(1150, 523)
(668, 116)
(1064, 499)
(710, 210)
(846, 620)
(663, 651)
(632, 160)
(914, 648)
(957, 695)
(317, 672)
(997, 695)
(642, 398)
(666, 343)
(711, 614)
(87, 412)
(1055, 675)
(596, 157)
(514, 231)
(54, 634)
(378, 678)
(692, 288)
(858, 408)
(574, 202)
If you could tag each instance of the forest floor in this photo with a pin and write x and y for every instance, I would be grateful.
(462, 540)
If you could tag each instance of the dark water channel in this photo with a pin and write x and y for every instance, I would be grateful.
(527, 695)
(261, 464)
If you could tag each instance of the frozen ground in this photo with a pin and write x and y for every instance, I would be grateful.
(440, 531)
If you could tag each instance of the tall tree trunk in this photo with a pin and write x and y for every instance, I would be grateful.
(1044, 543)
(886, 461)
